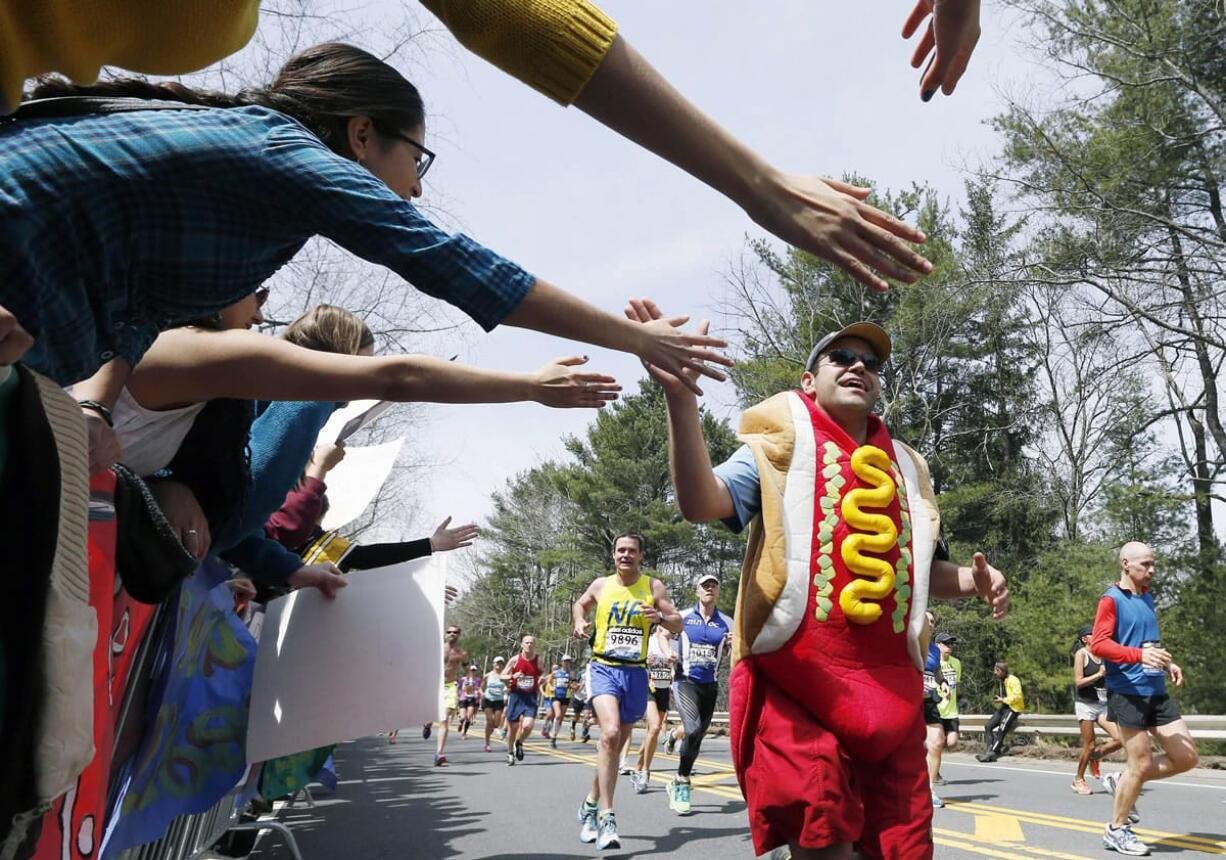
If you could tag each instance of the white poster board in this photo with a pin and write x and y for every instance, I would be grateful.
(369, 660)
(349, 419)
(355, 481)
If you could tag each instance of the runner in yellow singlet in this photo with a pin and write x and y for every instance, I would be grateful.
(626, 605)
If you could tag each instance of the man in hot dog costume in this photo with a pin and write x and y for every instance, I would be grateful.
(826, 687)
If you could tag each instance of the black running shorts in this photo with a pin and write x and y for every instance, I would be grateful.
(1141, 712)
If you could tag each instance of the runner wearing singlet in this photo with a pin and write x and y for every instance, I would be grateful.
(944, 735)
(1090, 703)
(563, 680)
(470, 699)
(1126, 637)
(581, 707)
(705, 634)
(524, 677)
(455, 659)
(626, 604)
(661, 668)
(493, 699)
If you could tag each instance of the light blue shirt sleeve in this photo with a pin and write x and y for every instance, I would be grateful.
(740, 475)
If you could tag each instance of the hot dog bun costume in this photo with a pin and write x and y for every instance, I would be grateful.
(826, 686)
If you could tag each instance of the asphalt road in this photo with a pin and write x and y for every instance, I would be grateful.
(392, 803)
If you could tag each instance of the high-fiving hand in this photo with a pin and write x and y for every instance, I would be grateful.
(559, 385)
(990, 585)
(952, 31)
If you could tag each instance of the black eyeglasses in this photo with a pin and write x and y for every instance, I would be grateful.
(844, 357)
(424, 160)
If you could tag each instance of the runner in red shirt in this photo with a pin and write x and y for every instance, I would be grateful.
(524, 678)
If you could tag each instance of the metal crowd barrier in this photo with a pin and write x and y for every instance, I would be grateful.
(190, 836)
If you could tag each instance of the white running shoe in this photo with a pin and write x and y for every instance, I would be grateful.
(1124, 841)
(608, 833)
(639, 780)
(1111, 782)
(588, 831)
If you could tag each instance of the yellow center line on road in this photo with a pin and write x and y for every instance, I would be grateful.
(729, 792)
(943, 838)
(986, 838)
(1200, 844)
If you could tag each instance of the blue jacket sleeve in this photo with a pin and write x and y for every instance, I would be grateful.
(263, 559)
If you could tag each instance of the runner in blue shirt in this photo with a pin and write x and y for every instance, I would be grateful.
(705, 634)
(563, 679)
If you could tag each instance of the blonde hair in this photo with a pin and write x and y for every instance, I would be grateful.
(327, 328)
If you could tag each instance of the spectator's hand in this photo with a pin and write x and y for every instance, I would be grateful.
(675, 353)
(559, 385)
(1155, 658)
(180, 507)
(104, 447)
(243, 591)
(645, 311)
(324, 459)
(1176, 674)
(830, 219)
(952, 30)
(990, 585)
(445, 539)
(326, 577)
(14, 340)
(581, 628)
(450, 593)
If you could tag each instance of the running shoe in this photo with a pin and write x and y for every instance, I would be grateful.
(624, 769)
(671, 743)
(588, 831)
(587, 734)
(607, 837)
(937, 803)
(679, 798)
(639, 781)
(553, 742)
(572, 733)
(519, 750)
(425, 730)
(1124, 841)
(1080, 786)
(510, 760)
(940, 780)
(545, 732)
(487, 747)
(585, 809)
(439, 759)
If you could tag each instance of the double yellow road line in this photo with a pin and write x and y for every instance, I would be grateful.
(986, 844)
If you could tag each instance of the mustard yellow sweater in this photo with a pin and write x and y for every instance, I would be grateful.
(554, 46)
(77, 37)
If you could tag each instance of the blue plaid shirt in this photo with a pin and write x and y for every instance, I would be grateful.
(114, 227)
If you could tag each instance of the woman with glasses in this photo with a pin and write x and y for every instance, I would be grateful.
(157, 204)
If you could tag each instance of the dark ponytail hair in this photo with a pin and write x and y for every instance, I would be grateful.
(322, 87)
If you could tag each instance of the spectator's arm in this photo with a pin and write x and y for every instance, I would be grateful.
(292, 525)
(382, 554)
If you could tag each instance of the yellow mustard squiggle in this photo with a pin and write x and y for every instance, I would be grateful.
(875, 533)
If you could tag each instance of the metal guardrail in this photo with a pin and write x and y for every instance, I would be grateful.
(190, 836)
(1203, 727)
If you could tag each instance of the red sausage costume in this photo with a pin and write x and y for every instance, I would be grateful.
(826, 686)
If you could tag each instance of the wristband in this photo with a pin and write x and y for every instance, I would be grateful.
(95, 406)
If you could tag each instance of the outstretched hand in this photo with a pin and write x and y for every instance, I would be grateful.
(830, 219)
(990, 585)
(675, 353)
(14, 340)
(559, 385)
(952, 31)
(445, 539)
(326, 577)
(673, 382)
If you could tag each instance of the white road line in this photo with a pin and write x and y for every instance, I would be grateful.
(1148, 785)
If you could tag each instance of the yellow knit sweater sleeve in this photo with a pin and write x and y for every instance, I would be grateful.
(553, 46)
(78, 37)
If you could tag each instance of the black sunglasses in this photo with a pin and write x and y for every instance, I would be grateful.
(423, 161)
(844, 357)
(261, 296)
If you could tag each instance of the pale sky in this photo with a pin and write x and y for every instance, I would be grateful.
(823, 88)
